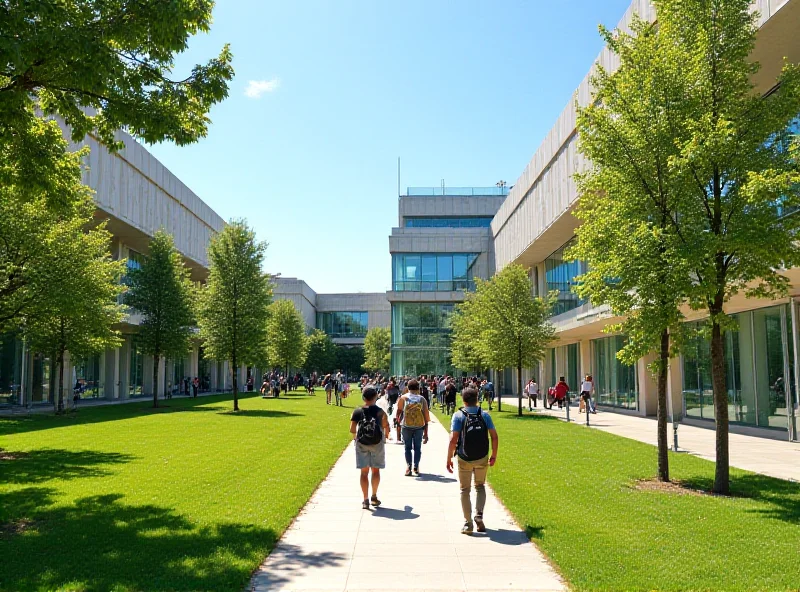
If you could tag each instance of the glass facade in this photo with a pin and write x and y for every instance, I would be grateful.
(564, 361)
(10, 369)
(87, 373)
(560, 275)
(615, 383)
(343, 324)
(759, 356)
(421, 338)
(448, 222)
(435, 272)
(135, 369)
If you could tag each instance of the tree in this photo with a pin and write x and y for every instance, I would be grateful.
(629, 203)
(321, 355)
(77, 289)
(464, 350)
(104, 65)
(234, 305)
(512, 325)
(349, 358)
(161, 292)
(286, 335)
(739, 171)
(378, 349)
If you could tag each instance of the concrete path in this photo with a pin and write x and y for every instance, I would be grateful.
(412, 542)
(774, 458)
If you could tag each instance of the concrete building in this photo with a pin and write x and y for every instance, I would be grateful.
(443, 242)
(138, 196)
(535, 224)
(345, 317)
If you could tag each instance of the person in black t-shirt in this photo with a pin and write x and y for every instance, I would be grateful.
(370, 428)
(450, 393)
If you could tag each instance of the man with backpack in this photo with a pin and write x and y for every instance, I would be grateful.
(370, 428)
(470, 432)
(412, 409)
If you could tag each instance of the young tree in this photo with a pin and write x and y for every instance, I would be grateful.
(286, 335)
(349, 358)
(321, 356)
(739, 171)
(77, 289)
(464, 350)
(629, 202)
(514, 327)
(103, 65)
(161, 292)
(378, 349)
(234, 305)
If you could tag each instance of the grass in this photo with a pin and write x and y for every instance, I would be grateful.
(574, 490)
(187, 497)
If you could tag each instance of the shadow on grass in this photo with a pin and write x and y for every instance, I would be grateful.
(43, 465)
(101, 543)
(534, 532)
(259, 413)
(782, 497)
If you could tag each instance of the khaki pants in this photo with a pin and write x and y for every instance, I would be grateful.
(466, 471)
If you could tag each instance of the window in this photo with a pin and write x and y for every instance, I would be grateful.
(343, 324)
(614, 382)
(448, 222)
(421, 338)
(560, 275)
(433, 272)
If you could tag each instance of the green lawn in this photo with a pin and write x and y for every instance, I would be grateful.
(573, 489)
(188, 497)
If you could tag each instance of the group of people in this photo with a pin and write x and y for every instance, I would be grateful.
(274, 383)
(436, 390)
(473, 439)
(337, 386)
(559, 394)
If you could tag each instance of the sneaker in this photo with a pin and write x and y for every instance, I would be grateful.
(416, 471)
(408, 471)
(481, 527)
(365, 504)
(467, 528)
(375, 501)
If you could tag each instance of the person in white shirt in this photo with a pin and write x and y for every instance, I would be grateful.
(587, 386)
(532, 391)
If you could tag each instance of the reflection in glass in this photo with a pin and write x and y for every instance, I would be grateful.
(560, 275)
(615, 383)
(343, 324)
(442, 272)
(421, 337)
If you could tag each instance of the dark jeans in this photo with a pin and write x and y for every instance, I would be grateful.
(412, 437)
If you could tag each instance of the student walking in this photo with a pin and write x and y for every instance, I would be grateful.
(488, 392)
(587, 386)
(328, 384)
(561, 392)
(533, 392)
(470, 432)
(370, 428)
(450, 393)
(414, 419)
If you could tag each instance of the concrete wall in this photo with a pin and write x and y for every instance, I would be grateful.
(448, 206)
(375, 304)
(299, 292)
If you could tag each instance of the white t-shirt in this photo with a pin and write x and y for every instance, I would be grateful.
(533, 389)
(586, 386)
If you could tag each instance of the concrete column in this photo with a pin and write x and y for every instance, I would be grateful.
(675, 388)
(162, 375)
(124, 367)
(648, 388)
(585, 363)
(109, 367)
(147, 375)
(68, 382)
(194, 361)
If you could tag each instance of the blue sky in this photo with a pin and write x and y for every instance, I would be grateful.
(460, 90)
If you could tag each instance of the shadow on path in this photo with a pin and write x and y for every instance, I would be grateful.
(287, 560)
(393, 514)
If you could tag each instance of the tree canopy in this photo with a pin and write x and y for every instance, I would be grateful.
(162, 293)
(378, 349)
(321, 355)
(286, 335)
(234, 305)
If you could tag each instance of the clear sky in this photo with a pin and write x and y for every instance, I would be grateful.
(328, 94)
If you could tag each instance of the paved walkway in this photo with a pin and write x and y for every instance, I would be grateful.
(775, 458)
(412, 542)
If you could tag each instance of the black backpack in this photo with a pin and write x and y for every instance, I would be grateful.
(369, 431)
(473, 441)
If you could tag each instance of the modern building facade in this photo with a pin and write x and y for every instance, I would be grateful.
(138, 196)
(346, 318)
(535, 224)
(442, 243)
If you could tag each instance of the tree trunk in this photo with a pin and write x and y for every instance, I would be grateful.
(53, 385)
(60, 408)
(663, 445)
(235, 385)
(519, 379)
(155, 380)
(498, 392)
(722, 472)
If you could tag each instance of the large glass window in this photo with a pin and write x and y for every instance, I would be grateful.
(448, 222)
(136, 369)
(560, 275)
(759, 369)
(10, 369)
(343, 324)
(87, 375)
(564, 361)
(421, 338)
(442, 272)
(614, 382)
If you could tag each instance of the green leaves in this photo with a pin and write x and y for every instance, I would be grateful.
(378, 349)
(287, 344)
(321, 355)
(501, 324)
(162, 293)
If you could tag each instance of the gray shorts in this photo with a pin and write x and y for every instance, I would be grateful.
(371, 456)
